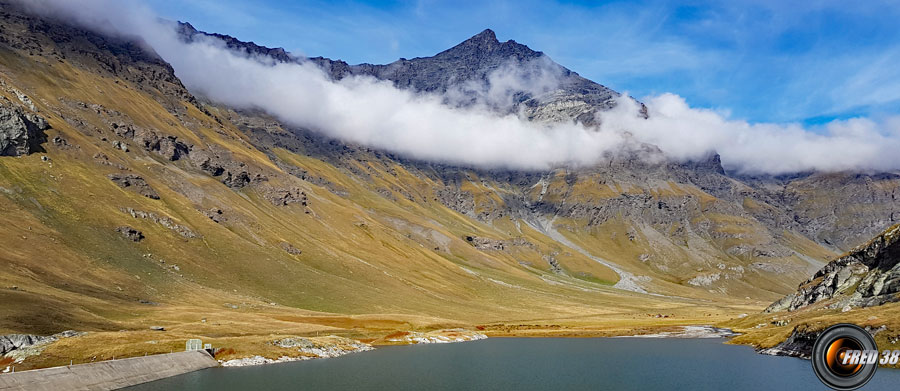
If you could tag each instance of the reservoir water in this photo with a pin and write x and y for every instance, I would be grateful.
(530, 364)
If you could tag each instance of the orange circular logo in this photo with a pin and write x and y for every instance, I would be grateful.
(837, 351)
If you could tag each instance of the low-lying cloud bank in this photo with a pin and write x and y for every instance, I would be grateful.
(687, 133)
(374, 113)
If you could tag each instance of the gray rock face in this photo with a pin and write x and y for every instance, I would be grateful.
(867, 276)
(134, 183)
(215, 214)
(798, 344)
(189, 33)
(168, 147)
(285, 196)
(163, 221)
(213, 160)
(554, 264)
(827, 219)
(218, 163)
(12, 342)
(21, 133)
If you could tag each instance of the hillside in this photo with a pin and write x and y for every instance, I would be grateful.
(859, 287)
(128, 202)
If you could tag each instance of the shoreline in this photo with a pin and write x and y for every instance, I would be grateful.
(685, 332)
(690, 332)
(344, 346)
(281, 349)
(340, 346)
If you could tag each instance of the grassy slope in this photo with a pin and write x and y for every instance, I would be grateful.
(403, 262)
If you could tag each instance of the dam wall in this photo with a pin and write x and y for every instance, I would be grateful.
(108, 375)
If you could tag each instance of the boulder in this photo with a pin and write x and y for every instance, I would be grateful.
(130, 233)
(290, 249)
(21, 133)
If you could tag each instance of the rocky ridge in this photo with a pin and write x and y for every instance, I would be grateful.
(465, 71)
(866, 276)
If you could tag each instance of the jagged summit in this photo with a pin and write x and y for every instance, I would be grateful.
(474, 60)
(486, 35)
(486, 45)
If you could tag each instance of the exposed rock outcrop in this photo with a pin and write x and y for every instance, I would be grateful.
(21, 132)
(21, 346)
(215, 214)
(482, 243)
(169, 147)
(799, 344)
(305, 349)
(12, 342)
(162, 220)
(130, 233)
(217, 162)
(290, 249)
(284, 197)
(436, 336)
(134, 183)
(866, 276)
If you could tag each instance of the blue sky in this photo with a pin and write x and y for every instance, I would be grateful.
(763, 61)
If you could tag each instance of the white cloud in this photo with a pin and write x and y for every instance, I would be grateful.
(685, 133)
(374, 113)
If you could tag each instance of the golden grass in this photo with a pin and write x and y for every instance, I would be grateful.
(370, 266)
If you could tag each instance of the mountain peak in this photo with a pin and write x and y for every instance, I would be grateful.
(485, 43)
(485, 36)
